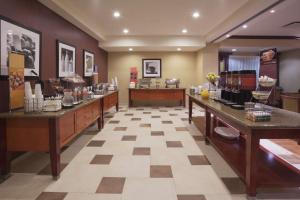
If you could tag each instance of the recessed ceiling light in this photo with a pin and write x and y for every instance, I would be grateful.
(125, 30)
(196, 14)
(130, 49)
(178, 49)
(272, 11)
(227, 35)
(117, 14)
(233, 50)
(245, 26)
(184, 30)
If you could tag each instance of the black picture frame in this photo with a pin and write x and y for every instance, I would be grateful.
(151, 68)
(92, 55)
(34, 74)
(60, 72)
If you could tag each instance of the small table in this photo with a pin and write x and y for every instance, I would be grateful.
(151, 94)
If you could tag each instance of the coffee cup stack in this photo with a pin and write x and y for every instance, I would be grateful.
(28, 99)
(38, 101)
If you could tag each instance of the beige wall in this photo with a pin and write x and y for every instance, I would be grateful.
(206, 61)
(174, 64)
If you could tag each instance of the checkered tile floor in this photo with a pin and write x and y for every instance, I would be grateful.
(141, 154)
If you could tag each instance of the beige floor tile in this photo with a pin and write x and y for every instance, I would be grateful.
(197, 180)
(86, 196)
(149, 189)
(24, 186)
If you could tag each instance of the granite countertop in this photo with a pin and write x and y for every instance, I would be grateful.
(21, 114)
(154, 88)
(280, 118)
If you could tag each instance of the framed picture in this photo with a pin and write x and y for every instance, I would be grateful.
(19, 39)
(151, 68)
(66, 59)
(88, 60)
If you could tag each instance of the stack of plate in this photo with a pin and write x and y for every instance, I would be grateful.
(228, 133)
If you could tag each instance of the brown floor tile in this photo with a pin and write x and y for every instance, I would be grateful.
(191, 197)
(198, 137)
(114, 122)
(167, 122)
(174, 144)
(129, 138)
(95, 143)
(155, 116)
(198, 160)
(101, 159)
(47, 170)
(178, 109)
(140, 109)
(184, 119)
(111, 185)
(157, 133)
(90, 132)
(172, 114)
(145, 125)
(120, 129)
(136, 119)
(52, 196)
(108, 116)
(181, 129)
(146, 112)
(163, 111)
(234, 185)
(128, 114)
(161, 171)
(144, 151)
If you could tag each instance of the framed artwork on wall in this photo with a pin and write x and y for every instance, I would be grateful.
(88, 62)
(151, 68)
(19, 39)
(66, 55)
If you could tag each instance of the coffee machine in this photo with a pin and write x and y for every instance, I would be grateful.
(237, 87)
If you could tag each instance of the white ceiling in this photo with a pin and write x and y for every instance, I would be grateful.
(155, 24)
(271, 24)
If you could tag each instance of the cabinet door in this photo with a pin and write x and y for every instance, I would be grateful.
(66, 127)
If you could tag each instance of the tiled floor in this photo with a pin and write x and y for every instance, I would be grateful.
(141, 154)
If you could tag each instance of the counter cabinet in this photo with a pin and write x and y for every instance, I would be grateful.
(49, 131)
(247, 158)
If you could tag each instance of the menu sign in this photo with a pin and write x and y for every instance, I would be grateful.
(16, 80)
(268, 56)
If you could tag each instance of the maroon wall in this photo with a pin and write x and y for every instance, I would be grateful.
(33, 14)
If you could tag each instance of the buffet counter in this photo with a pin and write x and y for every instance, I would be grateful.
(150, 94)
(291, 101)
(49, 131)
(245, 155)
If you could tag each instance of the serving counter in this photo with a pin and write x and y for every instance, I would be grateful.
(150, 94)
(49, 131)
(250, 161)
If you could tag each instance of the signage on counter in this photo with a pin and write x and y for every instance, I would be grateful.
(16, 80)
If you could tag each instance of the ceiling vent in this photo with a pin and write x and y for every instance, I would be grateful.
(292, 25)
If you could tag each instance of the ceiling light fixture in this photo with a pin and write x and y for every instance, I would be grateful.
(117, 14)
(233, 50)
(125, 31)
(178, 49)
(184, 30)
(228, 35)
(245, 26)
(272, 11)
(130, 49)
(196, 15)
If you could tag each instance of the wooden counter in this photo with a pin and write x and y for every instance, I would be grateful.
(151, 94)
(245, 156)
(49, 131)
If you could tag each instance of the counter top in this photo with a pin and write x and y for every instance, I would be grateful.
(280, 118)
(21, 113)
(161, 88)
